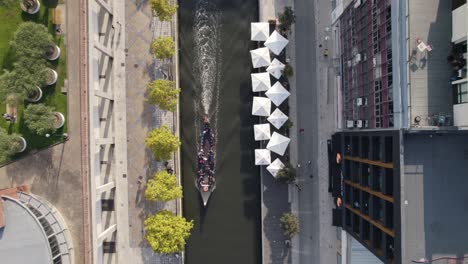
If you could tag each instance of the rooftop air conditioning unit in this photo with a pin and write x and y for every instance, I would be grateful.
(359, 123)
(366, 123)
(359, 101)
(357, 4)
(357, 58)
(349, 123)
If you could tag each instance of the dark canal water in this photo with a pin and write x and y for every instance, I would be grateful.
(215, 81)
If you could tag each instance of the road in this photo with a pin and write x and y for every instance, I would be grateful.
(316, 242)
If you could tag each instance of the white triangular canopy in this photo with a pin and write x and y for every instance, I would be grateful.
(276, 68)
(261, 106)
(274, 167)
(262, 132)
(260, 57)
(260, 81)
(277, 93)
(276, 42)
(262, 157)
(278, 143)
(259, 31)
(277, 118)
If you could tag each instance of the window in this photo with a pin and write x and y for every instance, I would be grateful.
(460, 92)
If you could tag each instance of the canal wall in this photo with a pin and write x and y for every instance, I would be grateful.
(177, 157)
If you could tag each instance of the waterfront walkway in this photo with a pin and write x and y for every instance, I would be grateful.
(141, 29)
(274, 194)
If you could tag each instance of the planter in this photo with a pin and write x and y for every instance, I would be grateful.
(59, 120)
(23, 144)
(30, 6)
(51, 76)
(52, 52)
(36, 96)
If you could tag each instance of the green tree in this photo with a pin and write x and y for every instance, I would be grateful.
(288, 71)
(162, 143)
(9, 145)
(31, 39)
(163, 48)
(163, 94)
(167, 233)
(163, 187)
(287, 18)
(290, 224)
(164, 9)
(287, 174)
(40, 118)
(16, 85)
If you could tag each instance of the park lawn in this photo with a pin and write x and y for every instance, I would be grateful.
(52, 95)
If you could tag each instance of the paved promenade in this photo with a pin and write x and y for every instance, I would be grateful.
(274, 194)
(141, 29)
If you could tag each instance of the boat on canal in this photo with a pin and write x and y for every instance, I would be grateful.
(206, 162)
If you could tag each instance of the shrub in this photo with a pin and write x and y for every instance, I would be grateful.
(9, 145)
(31, 40)
(167, 233)
(163, 187)
(288, 71)
(164, 9)
(287, 174)
(287, 18)
(163, 94)
(162, 143)
(290, 224)
(40, 119)
(163, 48)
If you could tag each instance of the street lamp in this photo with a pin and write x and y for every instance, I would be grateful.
(64, 135)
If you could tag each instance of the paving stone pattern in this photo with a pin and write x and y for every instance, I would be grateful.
(141, 29)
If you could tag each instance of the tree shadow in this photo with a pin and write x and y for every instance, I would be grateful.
(51, 3)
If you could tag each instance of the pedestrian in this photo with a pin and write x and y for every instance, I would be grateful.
(298, 165)
(309, 162)
(301, 130)
(311, 176)
(298, 187)
(320, 45)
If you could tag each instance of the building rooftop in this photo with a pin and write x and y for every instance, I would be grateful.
(434, 197)
(22, 239)
(430, 91)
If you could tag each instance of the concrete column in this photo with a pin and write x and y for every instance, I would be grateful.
(105, 188)
(106, 6)
(106, 234)
(105, 141)
(104, 95)
(104, 49)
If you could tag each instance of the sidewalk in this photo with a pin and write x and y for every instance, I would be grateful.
(141, 29)
(274, 194)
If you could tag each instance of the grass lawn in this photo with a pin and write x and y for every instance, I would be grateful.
(12, 16)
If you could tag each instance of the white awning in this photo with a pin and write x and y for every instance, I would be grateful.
(277, 93)
(262, 157)
(276, 68)
(260, 57)
(276, 42)
(262, 132)
(261, 106)
(260, 81)
(274, 167)
(278, 143)
(259, 31)
(277, 118)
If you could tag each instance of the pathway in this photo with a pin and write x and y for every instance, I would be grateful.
(141, 29)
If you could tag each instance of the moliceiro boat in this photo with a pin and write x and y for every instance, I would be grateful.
(206, 162)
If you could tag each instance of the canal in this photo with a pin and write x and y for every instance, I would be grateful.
(215, 81)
